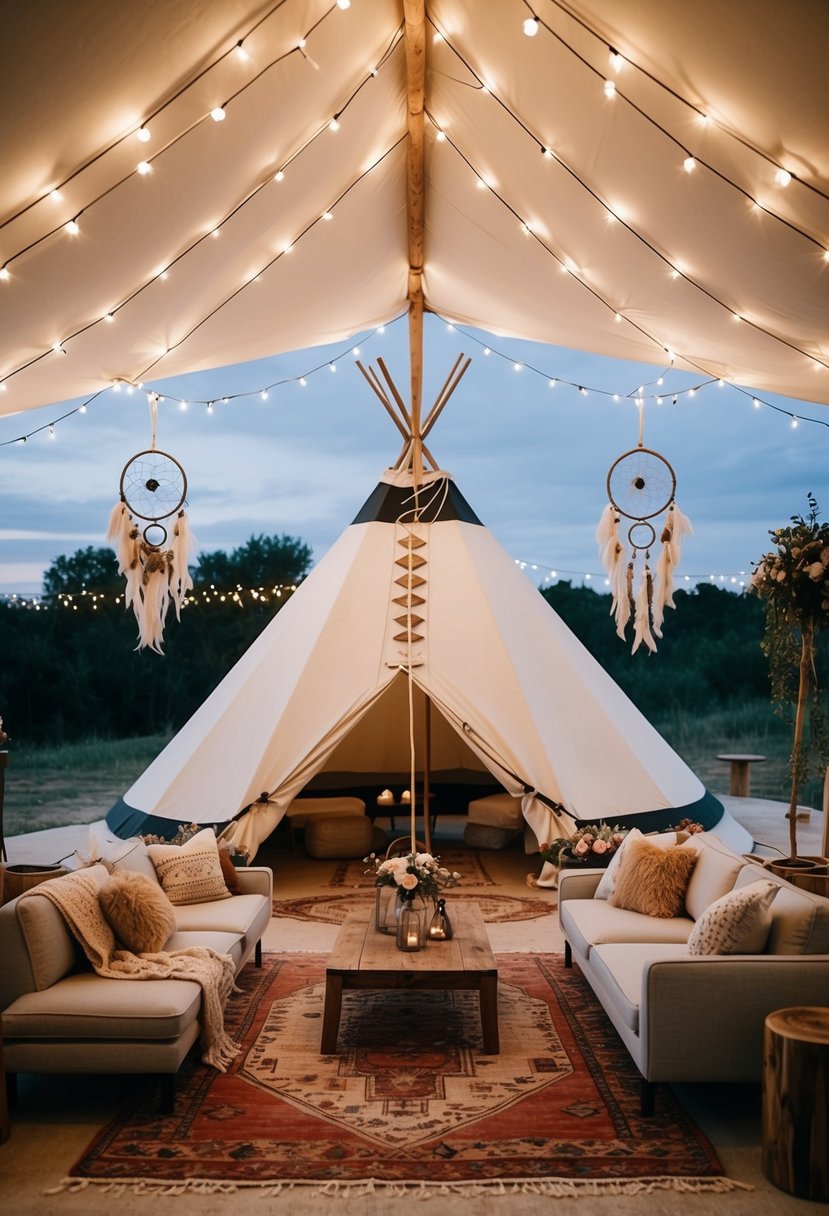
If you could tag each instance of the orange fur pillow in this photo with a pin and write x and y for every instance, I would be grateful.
(138, 912)
(653, 880)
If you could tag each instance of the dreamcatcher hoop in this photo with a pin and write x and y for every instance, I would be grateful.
(153, 485)
(641, 484)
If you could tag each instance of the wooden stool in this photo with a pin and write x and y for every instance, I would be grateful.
(796, 1101)
(741, 773)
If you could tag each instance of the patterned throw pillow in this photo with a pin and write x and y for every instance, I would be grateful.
(653, 880)
(738, 923)
(190, 873)
(138, 912)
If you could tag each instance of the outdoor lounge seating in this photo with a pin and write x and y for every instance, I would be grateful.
(59, 1016)
(696, 1016)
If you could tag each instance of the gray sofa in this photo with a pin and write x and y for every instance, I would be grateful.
(59, 1016)
(686, 1017)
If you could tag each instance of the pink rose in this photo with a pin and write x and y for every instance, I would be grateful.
(408, 882)
(600, 846)
(581, 848)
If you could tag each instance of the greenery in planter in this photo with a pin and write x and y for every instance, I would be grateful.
(793, 582)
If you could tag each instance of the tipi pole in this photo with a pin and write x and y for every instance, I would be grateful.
(427, 766)
(415, 15)
(445, 393)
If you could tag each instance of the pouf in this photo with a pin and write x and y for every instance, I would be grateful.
(345, 836)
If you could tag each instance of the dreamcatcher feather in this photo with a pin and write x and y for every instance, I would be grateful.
(152, 560)
(640, 486)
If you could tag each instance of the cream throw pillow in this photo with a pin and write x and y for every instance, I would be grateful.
(653, 880)
(738, 923)
(190, 873)
(138, 912)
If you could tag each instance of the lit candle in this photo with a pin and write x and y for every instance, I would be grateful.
(386, 798)
(411, 939)
(405, 796)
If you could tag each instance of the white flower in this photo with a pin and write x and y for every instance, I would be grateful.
(815, 571)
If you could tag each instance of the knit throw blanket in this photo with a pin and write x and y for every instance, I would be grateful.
(75, 896)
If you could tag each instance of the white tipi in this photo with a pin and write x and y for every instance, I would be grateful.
(417, 594)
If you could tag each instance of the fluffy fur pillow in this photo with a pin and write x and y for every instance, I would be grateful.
(190, 873)
(138, 912)
(653, 880)
(607, 883)
(738, 923)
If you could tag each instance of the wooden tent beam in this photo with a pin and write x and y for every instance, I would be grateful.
(415, 26)
(377, 388)
(452, 382)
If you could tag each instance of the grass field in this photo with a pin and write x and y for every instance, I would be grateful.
(79, 782)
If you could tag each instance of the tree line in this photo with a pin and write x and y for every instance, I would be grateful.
(72, 673)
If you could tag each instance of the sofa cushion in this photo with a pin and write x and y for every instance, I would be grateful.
(222, 943)
(233, 915)
(738, 923)
(713, 876)
(88, 1006)
(619, 968)
(52, 949)
(799, 920)
(138, 912)
(653, 880)
(128, 855)
(607, 885)
(190, 873)
(592, 922)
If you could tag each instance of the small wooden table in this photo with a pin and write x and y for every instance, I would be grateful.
(362, 958)
(796, 1101)
(741, 773)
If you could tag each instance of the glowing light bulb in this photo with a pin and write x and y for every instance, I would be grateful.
(327, 215)
(302, 44)
(618, 317)
(215, 233)
(210, 407)
(334, 124)
(332, 367)
(55, 195)
(303, 381)
(689, 164)
(531, 27)
(794, 423)
(516, 367)
(441, 136)
(756, 403)
(356, 350)
(241, 53)
(288, 249)
(143, 133)
(279, 176)
(381, 329)
(182, 405)
(218, 114)
(4, 274)
(548, 153)
(143, 168)
(610, 88)
(343, 4)
(81, 409)
(57, 347)
(264, 395)
(617, 61)
(72, 227)
(109, 318)
(51, 430)
(782, 177)
(551, 384)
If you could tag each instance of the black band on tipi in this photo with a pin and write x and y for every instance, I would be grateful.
(439, 501)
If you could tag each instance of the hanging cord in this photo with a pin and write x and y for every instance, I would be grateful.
(152, 400)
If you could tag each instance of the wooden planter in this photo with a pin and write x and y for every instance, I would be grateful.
(808, 873)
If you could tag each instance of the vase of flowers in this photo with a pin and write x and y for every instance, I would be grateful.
(593, 845)
(419, 875)
(793, 582)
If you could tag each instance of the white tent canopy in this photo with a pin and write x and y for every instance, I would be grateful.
(609, 244)
(513, 692)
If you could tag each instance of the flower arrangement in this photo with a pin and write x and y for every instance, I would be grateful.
(418, 873)
(793, 582)
(591, 843)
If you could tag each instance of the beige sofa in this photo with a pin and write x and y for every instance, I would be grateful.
(59, 1016)
(688, 1017)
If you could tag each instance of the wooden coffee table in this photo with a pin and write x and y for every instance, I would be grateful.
(362, 958)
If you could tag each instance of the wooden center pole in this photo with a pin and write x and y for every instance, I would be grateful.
(415, 22)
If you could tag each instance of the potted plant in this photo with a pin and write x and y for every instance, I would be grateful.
(793, 582)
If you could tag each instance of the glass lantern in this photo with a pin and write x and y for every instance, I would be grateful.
(410, 922)
(440, 926)
(386, 909)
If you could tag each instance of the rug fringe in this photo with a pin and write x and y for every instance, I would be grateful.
(559, 1188)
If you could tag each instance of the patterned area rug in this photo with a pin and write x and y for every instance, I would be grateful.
(333, 909)
(468, 864)
(409, 1105)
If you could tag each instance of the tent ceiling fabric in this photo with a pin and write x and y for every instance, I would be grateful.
(79, 80)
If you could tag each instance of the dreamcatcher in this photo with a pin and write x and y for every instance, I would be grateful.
(641, 485)
(152, 555)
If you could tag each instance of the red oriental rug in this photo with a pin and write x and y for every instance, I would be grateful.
(409, 1104)
(333, 909)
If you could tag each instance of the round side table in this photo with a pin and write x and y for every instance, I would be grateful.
(796, 1101)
